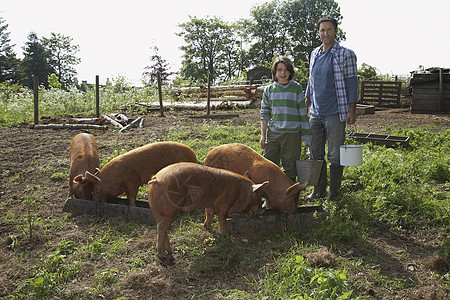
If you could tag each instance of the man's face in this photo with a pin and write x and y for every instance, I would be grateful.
(327, 33)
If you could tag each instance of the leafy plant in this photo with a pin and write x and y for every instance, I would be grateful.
(29, 220)
(53, 273)
(294, 277)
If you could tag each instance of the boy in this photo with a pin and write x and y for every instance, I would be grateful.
(284, 118)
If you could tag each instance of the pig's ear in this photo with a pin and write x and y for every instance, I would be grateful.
(91, 177)
(295, 188)
(79, 179)
(258, 186)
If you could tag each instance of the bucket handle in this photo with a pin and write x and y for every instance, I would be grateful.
(354, 125)
(305, 153)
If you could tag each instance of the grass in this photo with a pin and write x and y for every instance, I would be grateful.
(395, 190)
(398, 188)
(18, 102)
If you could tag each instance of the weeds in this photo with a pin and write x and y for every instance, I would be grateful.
(52, 275)
(29, 220)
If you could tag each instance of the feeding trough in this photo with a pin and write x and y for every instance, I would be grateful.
(381, 139)
(119, 208)
(305, 217)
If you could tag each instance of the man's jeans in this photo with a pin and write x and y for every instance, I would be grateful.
(327, 128)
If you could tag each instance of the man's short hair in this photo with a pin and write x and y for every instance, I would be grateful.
(327, 19)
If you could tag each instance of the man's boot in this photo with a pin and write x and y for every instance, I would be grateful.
(320, 190)
(335, 181)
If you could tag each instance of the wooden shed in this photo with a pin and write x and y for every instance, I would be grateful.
(430, 91)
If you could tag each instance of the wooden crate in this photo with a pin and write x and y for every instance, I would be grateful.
(363, 109)
(430, 92)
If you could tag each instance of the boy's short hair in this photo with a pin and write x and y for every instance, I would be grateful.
(327, 19)
(289, 66)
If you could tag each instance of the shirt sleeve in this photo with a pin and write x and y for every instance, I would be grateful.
(306, 133)
(352, 89)
(307, 92)
(266, 110)
(350, 64)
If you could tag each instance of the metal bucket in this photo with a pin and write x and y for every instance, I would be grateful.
(351, 155)
(308, 170)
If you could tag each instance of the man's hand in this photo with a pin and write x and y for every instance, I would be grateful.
(351, 117)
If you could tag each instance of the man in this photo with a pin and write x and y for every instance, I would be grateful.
(332, 94)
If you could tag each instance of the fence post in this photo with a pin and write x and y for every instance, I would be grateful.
(97, 96)
(208, 103)
(441, 89)
(161, 108)
(36, 99)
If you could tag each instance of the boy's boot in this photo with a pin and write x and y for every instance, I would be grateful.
(335, 181)
(320, 190)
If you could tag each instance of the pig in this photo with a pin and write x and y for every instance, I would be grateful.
(186, 186)
(126, 172)
(281, 193)
(83, 157)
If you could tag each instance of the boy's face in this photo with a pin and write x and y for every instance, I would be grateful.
(282, 73)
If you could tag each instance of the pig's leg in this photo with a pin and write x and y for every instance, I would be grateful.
(222, 214)
(132, 194)
(163, 243)
(209, 212)
(162, 238)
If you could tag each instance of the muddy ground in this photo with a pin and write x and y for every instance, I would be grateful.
(28, 157)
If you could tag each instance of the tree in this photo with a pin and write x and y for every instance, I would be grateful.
(367, 72)
(204, 52)
(62, 58)
(36, 62)
(265, 31)
(289, 28)
(159, 65)
(301, 17)
(8, 60)
(53, 81)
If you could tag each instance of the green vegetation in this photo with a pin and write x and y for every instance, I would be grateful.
(18, 102)
(403, 189)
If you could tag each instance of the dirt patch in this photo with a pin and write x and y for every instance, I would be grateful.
(29, 158)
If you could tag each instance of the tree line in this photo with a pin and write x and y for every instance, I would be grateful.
(224, 50)
(51, 59)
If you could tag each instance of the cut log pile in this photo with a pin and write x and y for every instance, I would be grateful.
(120, 121)
(231, 93)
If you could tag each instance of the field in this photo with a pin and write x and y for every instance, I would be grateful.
(370, 248)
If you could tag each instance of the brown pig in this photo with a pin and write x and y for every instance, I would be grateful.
(281, 193)
(83, 157)
(126, 172)
(185, 186)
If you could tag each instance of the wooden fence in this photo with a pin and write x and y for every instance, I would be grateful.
(381, 92)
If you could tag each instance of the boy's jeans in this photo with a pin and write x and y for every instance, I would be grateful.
(327, 128)
(285, 147)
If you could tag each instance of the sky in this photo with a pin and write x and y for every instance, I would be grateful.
(116, 38)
